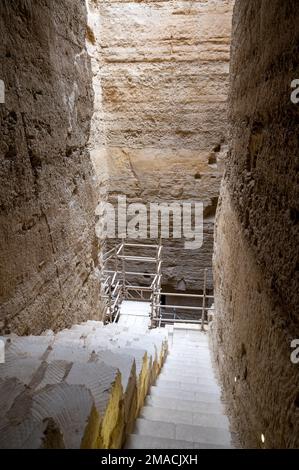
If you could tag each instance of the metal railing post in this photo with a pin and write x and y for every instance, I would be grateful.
(204, 301)
(153, 310)
(159, 272)
(115, 259)
(110, 301)
(123, 269)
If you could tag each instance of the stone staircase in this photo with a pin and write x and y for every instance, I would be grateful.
(183, 409)
(80, 388)
(87, 387)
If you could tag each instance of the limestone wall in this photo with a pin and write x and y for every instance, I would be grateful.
(48, 247)
(160, 77)
(256, 248)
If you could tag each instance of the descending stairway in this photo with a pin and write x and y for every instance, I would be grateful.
(84, 387)
(80, 388)
(183, 409)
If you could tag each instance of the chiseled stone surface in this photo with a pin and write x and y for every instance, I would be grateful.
(48, 246)
(179, 412)
(256, 262)
(160, 78)
(80, 388)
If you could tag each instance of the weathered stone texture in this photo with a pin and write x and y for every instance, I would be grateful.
(48, 247)
(80, 388)
(256, 251)
(160, 77)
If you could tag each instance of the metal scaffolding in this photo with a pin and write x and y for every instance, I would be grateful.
(120, 283)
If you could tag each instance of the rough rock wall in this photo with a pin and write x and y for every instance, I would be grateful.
(256, 250)
(48, 247)
(160, 76)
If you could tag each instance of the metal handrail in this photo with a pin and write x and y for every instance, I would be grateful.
(140, 288)
(131, 273)
(198, 296)
(116, 287)
(138, 258)
(183, 307)
(203, 309)
(137, 245)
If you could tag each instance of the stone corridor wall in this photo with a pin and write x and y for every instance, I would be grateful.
(160, 77)
(48, 247)
(256, 247)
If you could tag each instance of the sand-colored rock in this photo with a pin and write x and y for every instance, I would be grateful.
(159, 126)
(48, 246)
(256, 262)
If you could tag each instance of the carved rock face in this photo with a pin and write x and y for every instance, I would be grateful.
(47, 236)
(256, 276)
(160, 81)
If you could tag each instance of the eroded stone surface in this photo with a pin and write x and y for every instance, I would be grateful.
(256, 262)
(31, 434)
(159, 127)
(48, 246)
(80, 388)
(73, 409)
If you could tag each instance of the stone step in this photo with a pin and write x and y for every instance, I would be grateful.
(183, 404)
(57, 416)
(49, 368)
(192, 329)
(100, 379)
(176, 385)
(183, 356)
(10, 389)
(149, 442)
(63, 350)
(199, 362)
(31, 433)
(185, 394)
(87, 327)
(24, 369)
(177, 372)
(72, 409)
(186, 366)
(123, 362)
(126, 364)
(96, 342)
(68, 336)
(53, 373)
(187, 350)
(183, 432)
(104, 383)
(176, 376)
(184, 417)
(199, 367)
(184, 335)
(168, 376)
(190, 341)
(26, 347)
(140, 356)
